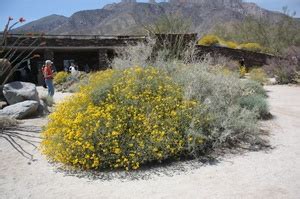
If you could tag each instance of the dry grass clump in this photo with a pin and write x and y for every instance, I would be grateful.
(7, 122)
(48, 100)
(259, 75)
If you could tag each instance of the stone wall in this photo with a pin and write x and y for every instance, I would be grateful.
(77, 41)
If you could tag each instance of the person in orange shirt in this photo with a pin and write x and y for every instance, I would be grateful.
(48, 76)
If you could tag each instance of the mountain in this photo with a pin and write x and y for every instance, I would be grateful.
(129, 18)
(45, 24)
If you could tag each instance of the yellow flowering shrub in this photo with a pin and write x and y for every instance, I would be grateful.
(61, 77)
(209, 40)
(230, 44)
(259, 75)
(120, 119)
(252, 47)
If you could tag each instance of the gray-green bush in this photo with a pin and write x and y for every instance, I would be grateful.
(220, 95)
(255, 103)
(250, 87)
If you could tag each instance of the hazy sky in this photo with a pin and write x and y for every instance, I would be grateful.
(35, 9)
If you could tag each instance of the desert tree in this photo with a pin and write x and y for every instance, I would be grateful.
(16, 50)
(170, 32)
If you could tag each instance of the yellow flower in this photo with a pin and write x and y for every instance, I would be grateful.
(117, 150)
(115, 133)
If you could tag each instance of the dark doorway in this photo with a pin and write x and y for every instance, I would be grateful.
(81, 58)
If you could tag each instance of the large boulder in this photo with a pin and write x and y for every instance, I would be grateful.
(16, 92)
(42, 109)
(20, 110)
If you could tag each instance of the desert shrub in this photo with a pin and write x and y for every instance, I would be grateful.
(250, 87)
(61, 77)
(213, 40)
(230, 44)
(242, 71)
(259, 75)
(285, 69)
(297, 77)
(218, 117)
(284, 73)
(255, 103)
(76, 84)
(7, 122)
(73, 84)
(48, 100)
(209, 40)
(251, 46)
(120, 119)
(228, 122)
(225, 63)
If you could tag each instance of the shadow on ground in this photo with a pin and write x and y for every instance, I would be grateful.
(17, 136)
(167, 168)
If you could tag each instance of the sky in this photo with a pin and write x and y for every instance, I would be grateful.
(35, 9)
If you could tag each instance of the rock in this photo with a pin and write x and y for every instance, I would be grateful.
(20, 110)
(43, 109)
(3, 104)
(16, 92)
(272, 81)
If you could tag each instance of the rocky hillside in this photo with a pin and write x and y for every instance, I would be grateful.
(129, 18)
(45, 24)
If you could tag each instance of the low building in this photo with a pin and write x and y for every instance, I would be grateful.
(93, 50)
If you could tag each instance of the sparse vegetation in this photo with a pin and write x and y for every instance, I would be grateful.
(273, 36)
(285, 69)
(209, 40)
(48, 100)
(61, 77)
(259, 75)
(66, 83)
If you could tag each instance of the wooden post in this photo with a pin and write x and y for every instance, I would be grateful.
(103, 62)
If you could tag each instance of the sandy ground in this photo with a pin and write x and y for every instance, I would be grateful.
(271, 174)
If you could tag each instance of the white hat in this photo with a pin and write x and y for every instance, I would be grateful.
(48, 62)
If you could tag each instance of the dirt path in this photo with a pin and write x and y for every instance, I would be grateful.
(273, 174)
